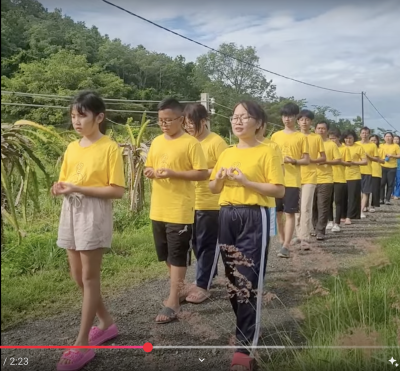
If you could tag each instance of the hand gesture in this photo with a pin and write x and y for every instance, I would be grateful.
(164, 173)
(64, 188)
(149, 173)
(54, 189)
(221, 174)
(235, 174)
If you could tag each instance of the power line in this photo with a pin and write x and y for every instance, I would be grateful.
(365, 95)
(224, 54)
(63, 107)
(51, 96)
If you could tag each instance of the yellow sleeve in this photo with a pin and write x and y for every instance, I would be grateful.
(221, 147)
(273, 170)
(397, 149)
(375, 154)
(336, 153)
(64, 168)
(149, 158)
(197, 158)
(304, 146)
(116, 166)
(346, 155)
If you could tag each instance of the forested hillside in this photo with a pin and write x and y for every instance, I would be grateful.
(47, 53)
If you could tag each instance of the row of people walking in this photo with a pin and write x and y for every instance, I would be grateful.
(206, 195)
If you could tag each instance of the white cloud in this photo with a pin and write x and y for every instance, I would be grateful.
(342, 46)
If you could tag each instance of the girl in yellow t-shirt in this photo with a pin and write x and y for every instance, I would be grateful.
(248, 176)
(205, 226)
(92, 174)
(376, 174)
(353, 175)
(389, 167)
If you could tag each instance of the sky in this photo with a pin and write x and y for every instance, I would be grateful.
(344, 45)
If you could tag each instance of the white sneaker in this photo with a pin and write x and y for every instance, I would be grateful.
(335, 228)
(363, 216)
(371, 210)
(329, 225)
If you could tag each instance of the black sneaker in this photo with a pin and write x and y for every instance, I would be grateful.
(388, 203)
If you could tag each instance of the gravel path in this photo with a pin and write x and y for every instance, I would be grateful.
(211, 323)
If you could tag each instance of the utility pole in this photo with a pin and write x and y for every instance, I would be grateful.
(362, 108)
(205, 101)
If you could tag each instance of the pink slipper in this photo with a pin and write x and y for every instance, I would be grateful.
(77, 359)
(98, 336)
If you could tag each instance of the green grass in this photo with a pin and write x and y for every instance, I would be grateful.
(35, 277)
(361, 309)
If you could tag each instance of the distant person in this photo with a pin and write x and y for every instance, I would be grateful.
(371, 152)
(248, 176)
(205, 227)
(339, 196)
(325, 186)
(353, 175)
(174, 162)
(389, 167)
(92, 174)
(376, 174)
(294, 148)
(396, 193)
(304, 222)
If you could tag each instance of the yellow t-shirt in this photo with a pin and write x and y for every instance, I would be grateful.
(390, 149)
(357, 154)
(213, 145)
(272, 144)
(325, 171)
(376, 166)
(372, 150)
(339, 171)
(293, 145)
(259, 164)
(315, 147)
(99, 165)
(173, 200)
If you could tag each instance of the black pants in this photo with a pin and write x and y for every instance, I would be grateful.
(204, 243)
(244, 238)
(376, 190)
(322, 201)
(387, 183)
(354, 199)
(339, 197)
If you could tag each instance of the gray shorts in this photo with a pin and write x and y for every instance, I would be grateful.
(366, 184)
(86, 223)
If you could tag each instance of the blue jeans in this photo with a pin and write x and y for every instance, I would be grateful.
(396, 191)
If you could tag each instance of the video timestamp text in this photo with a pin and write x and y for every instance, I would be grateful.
(14, 361)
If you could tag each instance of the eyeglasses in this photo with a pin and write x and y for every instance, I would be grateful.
(167, 122)
(242, 119)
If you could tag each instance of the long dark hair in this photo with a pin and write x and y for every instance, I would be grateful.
(196, 113)
(90, 101)
(377, 139)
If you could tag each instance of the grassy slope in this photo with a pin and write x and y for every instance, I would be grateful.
(361, 309)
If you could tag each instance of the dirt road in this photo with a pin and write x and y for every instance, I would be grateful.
(211, 323)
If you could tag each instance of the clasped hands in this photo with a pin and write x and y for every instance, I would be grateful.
(233, 173)
(63, 188)
(161, 173)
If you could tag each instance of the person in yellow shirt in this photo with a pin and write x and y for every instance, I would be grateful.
(248, 176)
(376, 174)
(323, 192)
(366, 171)
(174, 162)
(339, 184)
(92, 175)
(389, 168)
(304, 225)
(294, 148)
(396, 192)
(353, 175)
(205, 227)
